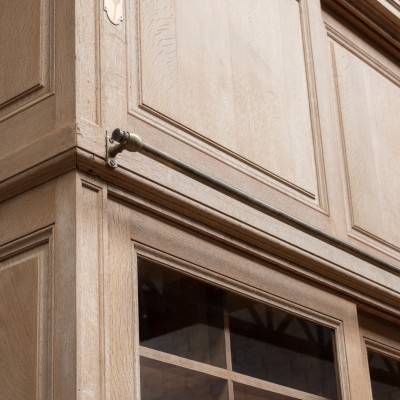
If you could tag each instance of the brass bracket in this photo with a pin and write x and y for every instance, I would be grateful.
(125, 141)
(112, 151)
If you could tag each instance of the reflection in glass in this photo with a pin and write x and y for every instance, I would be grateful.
(180, 315)
(385, 376)
(245, 392)
(272, 345)
(190, 319)
(161, 381)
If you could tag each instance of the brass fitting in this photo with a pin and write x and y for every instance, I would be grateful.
(129, 141)
(126, 141)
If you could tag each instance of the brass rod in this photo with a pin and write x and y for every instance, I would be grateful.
(252, 201)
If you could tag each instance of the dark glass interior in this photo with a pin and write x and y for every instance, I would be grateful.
(245, 392)
(180, 315)
(275, 346)
(385, 376)
(188, 318)
(161, 381)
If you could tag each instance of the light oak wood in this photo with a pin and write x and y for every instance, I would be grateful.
(274, 391)
(180, 141)
(35, 210)
(221, 267)
(65, 300)
(39, 42)
(21, 29)
(119, 307)
(224, 71)
(26, 318)
(89, 290)
(367, 93)
(359, 276)
(371, 140)
(276, 97)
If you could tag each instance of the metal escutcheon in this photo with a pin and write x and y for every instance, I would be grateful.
(114, 10)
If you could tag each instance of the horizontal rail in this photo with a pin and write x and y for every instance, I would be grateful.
(132, 142)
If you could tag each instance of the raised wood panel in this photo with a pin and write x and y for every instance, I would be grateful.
(25, 47)
(369, 104)
(90, 340)
(234, 72)
(87, 66)
(25, 336)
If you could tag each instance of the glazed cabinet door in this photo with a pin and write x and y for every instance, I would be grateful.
(188, 316)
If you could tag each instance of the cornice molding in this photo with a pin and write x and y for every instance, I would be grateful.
(377, 19)
(38, 174)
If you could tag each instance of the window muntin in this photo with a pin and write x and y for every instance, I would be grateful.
(191, 320)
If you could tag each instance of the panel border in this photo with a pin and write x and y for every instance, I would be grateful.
(39, 245)
(136, 108)
(265, 296)
(45, 88)
(349, 43)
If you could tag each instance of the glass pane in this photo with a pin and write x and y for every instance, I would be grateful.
(244, 392)
(273, 345)
(385, 376)
(180, 315)
(161, 381)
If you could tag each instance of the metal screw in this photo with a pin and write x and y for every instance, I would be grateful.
(113, 163)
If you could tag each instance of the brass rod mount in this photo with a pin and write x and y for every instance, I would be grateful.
(132, 142)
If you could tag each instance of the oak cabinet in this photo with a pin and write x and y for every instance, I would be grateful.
(140, 282)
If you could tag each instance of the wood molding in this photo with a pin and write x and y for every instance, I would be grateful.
(177, 130)
(38, 162)
(316, 262)
(26, 265)
(90, 286)
(351, 45)
(262, 237)
(38, 174)
(42, 62)
(377, 19)
(342, 37)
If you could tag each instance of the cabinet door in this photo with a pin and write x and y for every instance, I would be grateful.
(238, 89)
(190, 316)
(367, 84)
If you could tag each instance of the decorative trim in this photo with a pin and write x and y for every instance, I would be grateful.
(45, 89)
(363, 55)
(378, 19)
(381, 348)
(173, 128)
(260, 244)
(355, 231)
(38, 174)
(38, 245)
(231, 285)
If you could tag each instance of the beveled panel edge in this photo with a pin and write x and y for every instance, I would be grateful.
(137, 109)
(45, 88)
(27, 242)
(39, 245)
(32, 171)
(354, 231)
(309, 64)
(377, 19)
(214, 278)
(249, 239)
(382, 348)
(350, 45)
